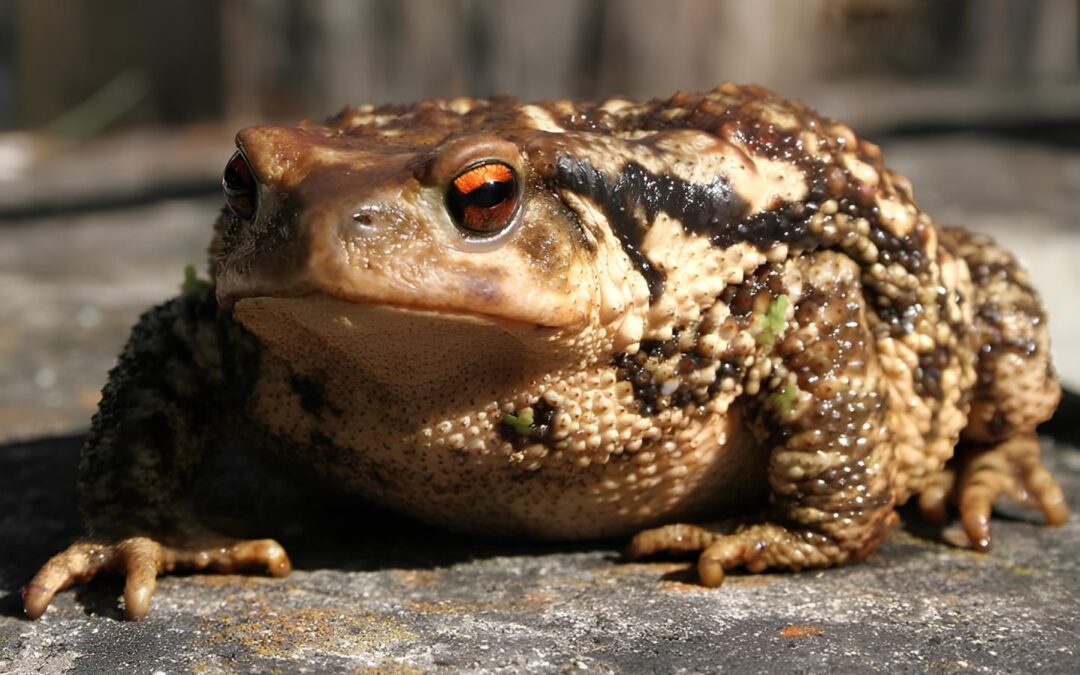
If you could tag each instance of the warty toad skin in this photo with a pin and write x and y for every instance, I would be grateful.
(716, 323)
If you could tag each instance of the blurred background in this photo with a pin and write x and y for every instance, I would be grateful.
(116, 117)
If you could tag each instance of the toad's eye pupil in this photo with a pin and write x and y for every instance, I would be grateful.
(482, 198)
(491, 193)
(238, 184)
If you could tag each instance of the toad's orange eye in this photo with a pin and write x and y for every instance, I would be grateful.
(482, 198)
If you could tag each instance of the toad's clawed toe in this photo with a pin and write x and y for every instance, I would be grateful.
(1010, 469)
(755, 547)
(720, 548)
(140, 560)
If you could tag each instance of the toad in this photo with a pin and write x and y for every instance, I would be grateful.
(716, 324)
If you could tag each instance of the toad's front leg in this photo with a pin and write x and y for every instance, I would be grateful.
(832, 500)
(831, 457)
(184, 366)
(141, 559)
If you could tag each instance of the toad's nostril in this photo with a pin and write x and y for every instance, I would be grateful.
(371, 219)
(238, 184)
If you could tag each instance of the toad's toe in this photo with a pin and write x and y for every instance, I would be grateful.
(141, 560)
(1011, 469)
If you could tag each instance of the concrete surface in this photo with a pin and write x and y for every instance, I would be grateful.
(373, 592)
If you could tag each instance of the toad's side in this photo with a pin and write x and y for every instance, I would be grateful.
(570, 320)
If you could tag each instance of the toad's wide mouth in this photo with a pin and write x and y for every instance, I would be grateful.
(402, 348)
(313, 307)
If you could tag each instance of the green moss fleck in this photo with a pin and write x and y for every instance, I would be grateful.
(522, 422)
(192, 284)
(785, 398)
(773, 321)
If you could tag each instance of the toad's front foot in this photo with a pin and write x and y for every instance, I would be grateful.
(140, 560)
(755, 547)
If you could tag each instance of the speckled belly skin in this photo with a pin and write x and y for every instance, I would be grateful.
(424, 442)
(717, 322)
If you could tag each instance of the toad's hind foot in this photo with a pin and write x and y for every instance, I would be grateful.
(140, 560)
(983, 474)
(754, 547)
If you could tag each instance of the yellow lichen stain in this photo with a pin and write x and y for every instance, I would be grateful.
(203, 667)
(281, 632)
(530, 601)
(447, 607)
(949, 599)
(1025, 571)
(417, 577)
(537, 599)
(388, 667)
(796, 631)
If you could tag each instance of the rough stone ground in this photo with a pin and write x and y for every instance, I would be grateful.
(374, 592)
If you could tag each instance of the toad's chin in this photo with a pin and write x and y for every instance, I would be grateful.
(405, 349)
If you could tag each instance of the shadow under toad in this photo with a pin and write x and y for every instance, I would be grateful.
(236, 494)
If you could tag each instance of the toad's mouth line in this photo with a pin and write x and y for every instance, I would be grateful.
(361, 305)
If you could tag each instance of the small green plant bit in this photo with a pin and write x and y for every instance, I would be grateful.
(785, 398)
(192, 284)
(522, 423)
(773, 321)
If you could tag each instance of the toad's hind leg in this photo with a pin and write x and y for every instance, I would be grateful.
(183, 366)
(1012, 468)
(1015, 390)
(831, 463)
(980, 474)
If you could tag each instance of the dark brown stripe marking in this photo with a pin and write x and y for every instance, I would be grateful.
(635, 191)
